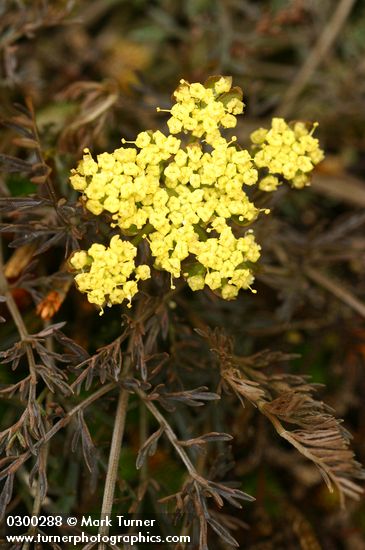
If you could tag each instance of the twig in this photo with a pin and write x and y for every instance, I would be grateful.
(343, 187)
(197, 479)
(169, 433)
(337, 289)
(22, 330)
(317, 54)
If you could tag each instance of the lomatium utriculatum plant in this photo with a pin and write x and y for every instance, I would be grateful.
(168, 209)
(183, 194)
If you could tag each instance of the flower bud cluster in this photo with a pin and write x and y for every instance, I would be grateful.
(290, 152)
(108, 274)
(224, 262)
(202, 110)
(185, 196)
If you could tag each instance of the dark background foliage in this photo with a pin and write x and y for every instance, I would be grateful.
(86, 73)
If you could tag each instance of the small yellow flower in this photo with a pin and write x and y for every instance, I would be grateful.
(229, 292)
(78, 182)
(223, 85)
(196, 282)
(79, 259)
(143, 139)
(174, 125)
(269, 183)
(94, 206)
(213, 280)
(258, 136)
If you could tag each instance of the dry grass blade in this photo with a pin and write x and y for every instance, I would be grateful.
(337, 289)
(345, 188)
(317, 54)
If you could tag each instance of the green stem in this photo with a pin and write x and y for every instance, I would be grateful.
(146, 230)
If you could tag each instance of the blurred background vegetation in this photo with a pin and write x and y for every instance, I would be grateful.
(96, 70)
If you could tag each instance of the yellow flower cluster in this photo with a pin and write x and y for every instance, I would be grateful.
(106, 273)
(223, 262)
(285, 151)
(201, 110)
(184, 195)
(124, 183)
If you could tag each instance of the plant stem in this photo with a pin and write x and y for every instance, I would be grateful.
(198, 479)
(118, 432)
(37, 503)
(143, 434)
(43, 457)
(316, 56)
(19, 323)
(112, 473)
(337, 289)
(170, 434)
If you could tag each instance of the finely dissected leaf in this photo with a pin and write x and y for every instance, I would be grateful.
(206, 438)
(322, 439)
(20, 203)
(289, 399)
(36, 420)
(230, 494)
(193, 398)
(26, 142)
(77, 353)
(14, 164)
(134, 384)
(222, 532)
(22, 388)
(13, 355)
(106, 363)
(50, 330)
(55, 239)
(88, 448)
(148, 448)
(25, 111)
(53, 377)
(6, 494)
(39, 470)
(19, 125)
(319, 228)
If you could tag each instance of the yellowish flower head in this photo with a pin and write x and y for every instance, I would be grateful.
(184, 193)
(286, 152)
(106, 274)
